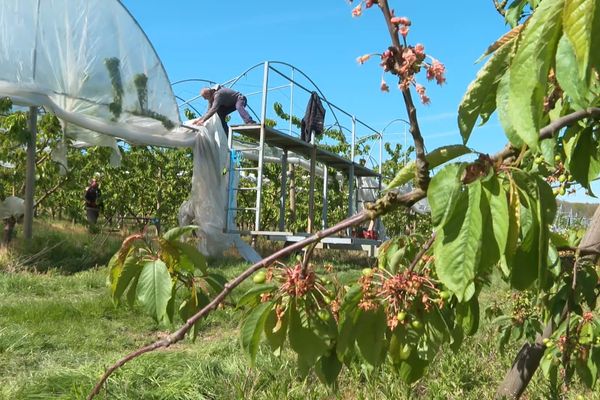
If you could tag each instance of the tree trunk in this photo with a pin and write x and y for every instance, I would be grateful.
(528, 359)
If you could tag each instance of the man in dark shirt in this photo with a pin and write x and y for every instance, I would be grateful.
(223, 101)
(93, 202)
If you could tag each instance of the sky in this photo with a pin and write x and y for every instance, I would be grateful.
(218, 41)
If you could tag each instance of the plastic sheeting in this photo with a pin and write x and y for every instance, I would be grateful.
(12, 206)
(90, 63)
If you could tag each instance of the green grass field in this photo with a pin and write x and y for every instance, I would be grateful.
(59, 330)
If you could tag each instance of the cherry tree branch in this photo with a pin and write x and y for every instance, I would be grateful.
(422, 252)
(389, 202)
(549, 130)
(415, 131)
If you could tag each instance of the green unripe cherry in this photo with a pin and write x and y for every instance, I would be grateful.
(324, 315)
(562, 191)
(562, 178)
(367, 271)
(260, 277)
(416, 324)
(444, 295)
(405, 352)
(557, 158)
(401, 316)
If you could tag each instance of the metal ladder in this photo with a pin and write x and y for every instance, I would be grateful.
(236, 171)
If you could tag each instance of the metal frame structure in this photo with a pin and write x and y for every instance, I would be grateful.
(265, 135)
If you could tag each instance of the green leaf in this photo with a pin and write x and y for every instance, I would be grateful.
(132, 291)
(514, 221)
(405, 175)
(584, 162)
(189, 252)
(308, 345)
(502, 98)
(457, 247)
(529, 70)
(252, 296)
(593, 365)
(474, 103)
(130, 270)
(443, 154)
(252, 329)
(443, 192)
(514, 12)
(580, 20)
(537, 211)
(328, 368)
(370, 337)
(499, 221)
(176, 233)
(412, 369)
(154, 289)
(347, 334)
(188, 308)
(567, 75)
(434, 158)
(468, 316)
(216, 282)
(276, 331)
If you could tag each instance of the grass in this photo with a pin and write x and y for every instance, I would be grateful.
(58, 331)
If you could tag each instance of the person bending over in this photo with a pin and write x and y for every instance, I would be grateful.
(223, 101)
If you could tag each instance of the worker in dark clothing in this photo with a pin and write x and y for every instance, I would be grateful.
(93, 202)
(223, 101)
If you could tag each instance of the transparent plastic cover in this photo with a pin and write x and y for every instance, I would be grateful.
(90, 63)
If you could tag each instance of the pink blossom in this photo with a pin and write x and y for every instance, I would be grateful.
(420, 49)
(357, 11)
(421, 91)
(369, 3)
(409, 55)
(384, 86)
(400, 21)
(363, 59)
(404, 31)
(436, 70)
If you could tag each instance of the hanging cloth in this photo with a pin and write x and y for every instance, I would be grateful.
(314, 118)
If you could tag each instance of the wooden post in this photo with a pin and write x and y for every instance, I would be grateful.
(30, 175)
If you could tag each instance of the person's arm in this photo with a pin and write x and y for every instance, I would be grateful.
(211, 110)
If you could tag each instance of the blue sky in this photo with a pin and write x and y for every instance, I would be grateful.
(220, 40)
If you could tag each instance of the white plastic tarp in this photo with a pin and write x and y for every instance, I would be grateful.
(90, 63)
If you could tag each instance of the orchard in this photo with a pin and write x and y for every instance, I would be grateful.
(490, 214)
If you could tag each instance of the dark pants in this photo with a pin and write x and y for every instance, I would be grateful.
(92, 215)
(240, 106)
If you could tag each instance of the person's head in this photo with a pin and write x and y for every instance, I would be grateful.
(207, 93)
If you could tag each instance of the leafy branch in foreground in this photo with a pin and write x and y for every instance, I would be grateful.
(491, 217)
